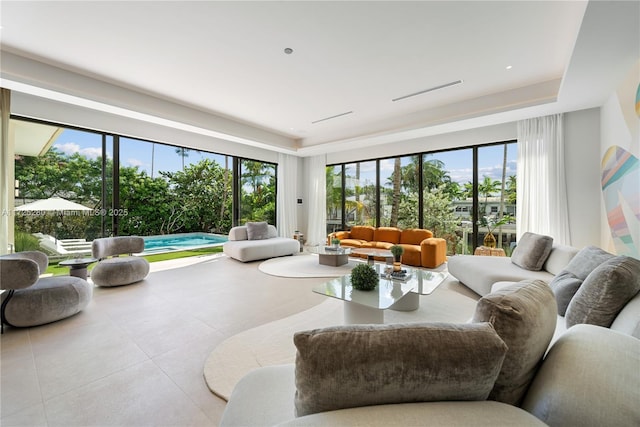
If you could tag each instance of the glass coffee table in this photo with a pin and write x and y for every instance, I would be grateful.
(393, 294)
(332, 257)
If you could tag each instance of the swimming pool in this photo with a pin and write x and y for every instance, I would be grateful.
(180, 242)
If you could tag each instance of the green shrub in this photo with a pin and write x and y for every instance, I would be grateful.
(26, 242)
(364, 277)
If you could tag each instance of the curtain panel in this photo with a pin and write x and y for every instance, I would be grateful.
(287, 194)
(7, 174)
(541, 205)
(317, 204)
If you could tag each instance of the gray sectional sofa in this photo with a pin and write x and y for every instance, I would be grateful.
(256, 241)
(443, 374)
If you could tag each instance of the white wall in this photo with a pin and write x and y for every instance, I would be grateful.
(582, 169)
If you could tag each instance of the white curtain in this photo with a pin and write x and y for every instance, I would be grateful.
(317, 205)
(287, 194)
(6, 174)
(541, 185)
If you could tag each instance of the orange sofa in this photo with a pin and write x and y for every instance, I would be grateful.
(421, 249)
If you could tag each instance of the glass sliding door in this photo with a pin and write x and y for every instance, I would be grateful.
(257, 191)
(399, 193)
(497, 193)
(360, 193)
(334, 198)
(446, 204)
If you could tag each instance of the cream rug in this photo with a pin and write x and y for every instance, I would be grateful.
(272, 343)
(304, 265)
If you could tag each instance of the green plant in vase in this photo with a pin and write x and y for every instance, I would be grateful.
(397, 251)
(364, 277)
(335, 242)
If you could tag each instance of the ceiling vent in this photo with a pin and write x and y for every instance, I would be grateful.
(331, 117)
(457, 82)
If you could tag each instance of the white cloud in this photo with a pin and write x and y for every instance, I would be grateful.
(68, 148)
(91, 152)
(134, 162)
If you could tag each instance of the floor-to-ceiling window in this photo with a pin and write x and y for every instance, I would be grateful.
(439, 191)
(129, 186)
(257, 191)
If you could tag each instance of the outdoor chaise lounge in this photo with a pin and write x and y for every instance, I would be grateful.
(116, 270)
(31, 300)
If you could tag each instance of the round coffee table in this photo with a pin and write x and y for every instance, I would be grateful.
(332, 257)
(78, 266)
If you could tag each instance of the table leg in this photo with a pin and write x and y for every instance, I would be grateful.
(361, 314)
(409, 302)
(80, 272)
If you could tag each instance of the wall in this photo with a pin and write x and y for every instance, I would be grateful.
(619, 151)
(582, 171)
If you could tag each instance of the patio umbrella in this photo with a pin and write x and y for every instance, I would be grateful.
(54, 204)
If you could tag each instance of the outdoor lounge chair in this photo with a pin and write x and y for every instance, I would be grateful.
(116, 270)
(31, 300)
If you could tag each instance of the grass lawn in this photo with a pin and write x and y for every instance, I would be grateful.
(58, 270)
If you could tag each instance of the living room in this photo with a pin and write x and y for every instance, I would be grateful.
(602, 54)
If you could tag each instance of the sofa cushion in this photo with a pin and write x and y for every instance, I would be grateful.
(257, 230)
(361, 232)
(238, 233)
(589, 377)
(524, 315)
(414, 236)
(559, 258)
(628, 320)
(566, 283)
(532, 251)
(387, 234)
(605, 292)
(359, 365)
(479, 273)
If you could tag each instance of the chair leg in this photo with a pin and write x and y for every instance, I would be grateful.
(3, 319)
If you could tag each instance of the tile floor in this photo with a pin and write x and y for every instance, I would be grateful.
(135, 355)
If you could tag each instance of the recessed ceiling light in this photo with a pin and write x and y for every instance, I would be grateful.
(288, 50)
(509, 67)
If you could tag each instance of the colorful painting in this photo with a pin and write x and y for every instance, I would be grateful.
(620, 188)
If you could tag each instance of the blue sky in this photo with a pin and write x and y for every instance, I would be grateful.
(138, 153)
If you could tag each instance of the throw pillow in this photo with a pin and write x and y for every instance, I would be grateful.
(604, 292)
(532, 251)
(362, 365)
(257, 230)
(567, 282)
(524, 315)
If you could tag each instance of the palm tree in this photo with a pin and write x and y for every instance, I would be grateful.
(397, 180)
(487, 188)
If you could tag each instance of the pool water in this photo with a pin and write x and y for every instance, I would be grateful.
(179, 242)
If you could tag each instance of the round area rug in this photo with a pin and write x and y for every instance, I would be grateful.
(304, 265)
(272, 343)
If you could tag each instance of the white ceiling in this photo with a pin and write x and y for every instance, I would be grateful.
(227, 59)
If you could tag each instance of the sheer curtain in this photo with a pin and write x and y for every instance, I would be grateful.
(317, 195)
(287, 194)
(6, 172)
(541, 186)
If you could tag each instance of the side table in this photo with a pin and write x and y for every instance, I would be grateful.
(78, 266)
(300, 238)
(487, 251)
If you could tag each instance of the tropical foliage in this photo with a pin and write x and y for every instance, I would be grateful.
(196, 198)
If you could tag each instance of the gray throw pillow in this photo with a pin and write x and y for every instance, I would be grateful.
(566, 283)
(361, 365)
(257, 230)
(605, 292)
(524, 315)
(532, 251)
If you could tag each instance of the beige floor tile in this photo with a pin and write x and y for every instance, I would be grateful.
(33, 416)
(19, 387)
(141, 395)
(189, 376)
(67, 358)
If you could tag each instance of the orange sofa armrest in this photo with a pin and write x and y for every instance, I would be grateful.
(433, 252)
(341, 235)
